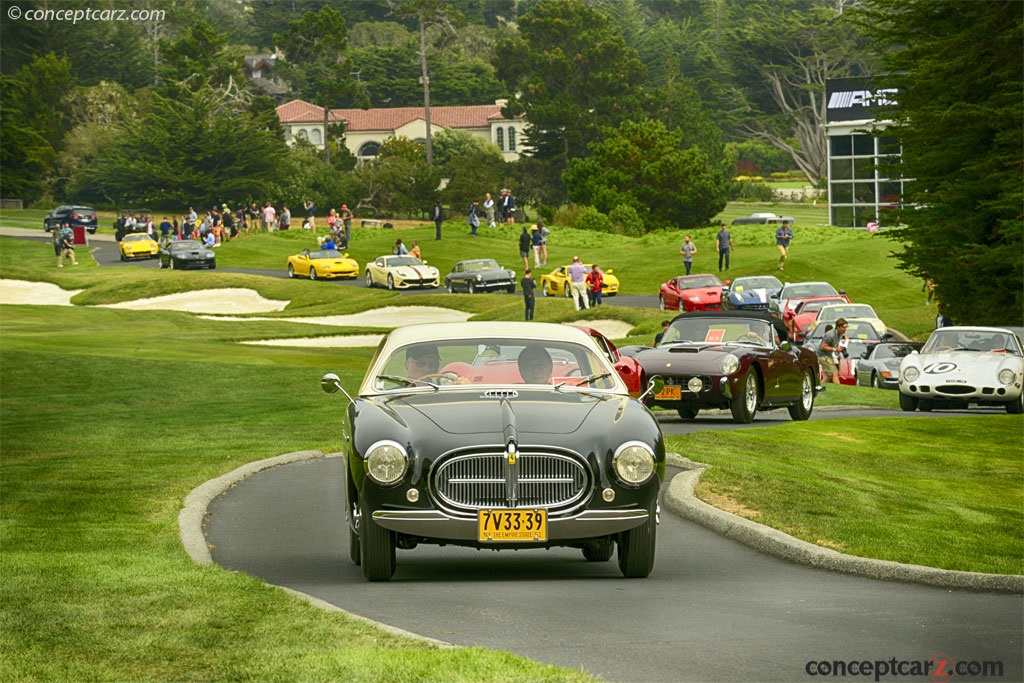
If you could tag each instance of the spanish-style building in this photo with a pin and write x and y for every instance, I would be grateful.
(367, 129)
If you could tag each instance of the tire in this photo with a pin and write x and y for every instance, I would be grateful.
(908, 404)
(543, 289)
(377, 547)
(599, 551)
(744, 406)
(312, 273)
(687, 413)
(876, 381)
(803, 409)
(170, 264)
(661, 302)
(1016, 407)
(471, 288)
(448, 286)
(391, 282)
(568, 291)
(369, 279)
(291, 270)
(636, 547)
(925, 405)
(512, 289)
(353, 547)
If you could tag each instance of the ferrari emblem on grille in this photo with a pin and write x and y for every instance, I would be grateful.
(511, 454)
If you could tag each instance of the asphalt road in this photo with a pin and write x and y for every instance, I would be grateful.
(712, 610)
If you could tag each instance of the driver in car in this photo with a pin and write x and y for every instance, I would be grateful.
(422, 361)
(535, 365)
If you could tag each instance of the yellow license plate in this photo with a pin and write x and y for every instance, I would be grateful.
(669, 393)
(496, 526)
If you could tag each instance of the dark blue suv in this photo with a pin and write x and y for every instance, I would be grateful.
(75, 216)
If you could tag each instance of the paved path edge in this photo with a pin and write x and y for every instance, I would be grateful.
(680, 499)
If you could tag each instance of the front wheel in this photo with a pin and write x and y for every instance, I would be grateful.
(1016, 407)
(876, 381)
(744, 404)
(312, 273)
(170, 264)
(291, 270)
(377, 546)
(472, 288)
(803, 409)
(543, 289)
(448, 286)
(687, 413)
(391, 282)
(661, 302)
(568, 291)
(908, 404)
(369, 279)
(636, 547)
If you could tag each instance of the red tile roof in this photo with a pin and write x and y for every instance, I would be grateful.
(475, 116)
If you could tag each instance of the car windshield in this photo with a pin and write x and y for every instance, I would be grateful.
(186, 245)
(847, 311)
(984, 341)
(135, 237)
(893, 350)
(745, 283)
(485, 264)
(815, 306)
(707, 330)
(808, 289)
(396, 261)
(493, 361)
(325, 253)
(696, 281)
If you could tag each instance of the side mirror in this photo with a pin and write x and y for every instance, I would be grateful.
(785, 346)
(331, 384)
(655, 385)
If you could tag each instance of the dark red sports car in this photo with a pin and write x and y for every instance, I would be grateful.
(740, 360)
(691, 293)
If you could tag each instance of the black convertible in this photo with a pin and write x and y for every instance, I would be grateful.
(498, 435)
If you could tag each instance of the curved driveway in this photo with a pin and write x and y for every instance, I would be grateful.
(712, 610)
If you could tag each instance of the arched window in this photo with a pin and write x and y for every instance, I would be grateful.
(301, 134)
(500, 138)
(369, 149)
(316, 137)
(511, 139)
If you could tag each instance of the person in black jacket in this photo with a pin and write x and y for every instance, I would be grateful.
(437, 215)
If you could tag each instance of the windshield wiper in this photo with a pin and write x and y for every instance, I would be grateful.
(585, 380)
(408, 381)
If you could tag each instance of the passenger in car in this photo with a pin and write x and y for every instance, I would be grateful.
(534, 365)
(422, 361)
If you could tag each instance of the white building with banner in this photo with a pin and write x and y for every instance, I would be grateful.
(859, 189)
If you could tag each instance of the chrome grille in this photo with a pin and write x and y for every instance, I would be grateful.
(955, 389)
(486, 479)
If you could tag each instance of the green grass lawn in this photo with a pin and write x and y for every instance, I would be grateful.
(110, 417)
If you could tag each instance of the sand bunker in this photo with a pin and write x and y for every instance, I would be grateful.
(23, 293)
(613, 329)
(388, 316)
(231, 300)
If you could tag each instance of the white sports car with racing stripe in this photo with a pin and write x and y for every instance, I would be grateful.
(401, 272)
(959, 366)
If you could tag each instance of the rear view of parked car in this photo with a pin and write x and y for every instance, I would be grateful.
(74, 216)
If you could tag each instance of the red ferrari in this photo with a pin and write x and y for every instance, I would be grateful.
(691, 293)
(806, 311)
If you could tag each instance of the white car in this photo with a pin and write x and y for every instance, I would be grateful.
(959, 366)
(401, 272)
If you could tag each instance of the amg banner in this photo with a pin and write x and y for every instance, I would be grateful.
(854, 99)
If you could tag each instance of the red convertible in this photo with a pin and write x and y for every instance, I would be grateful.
(691, 293)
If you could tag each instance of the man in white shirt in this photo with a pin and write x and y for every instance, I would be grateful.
(577, 273)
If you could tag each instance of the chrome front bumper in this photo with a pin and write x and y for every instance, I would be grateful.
(436, 524)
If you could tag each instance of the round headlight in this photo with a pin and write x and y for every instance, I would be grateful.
(911, 374)
(1006, 376)
(633, 463)
(730, 364)
(386, 462)
(695, 384)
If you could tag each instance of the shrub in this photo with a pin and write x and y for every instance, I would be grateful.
(593, 220)
(567, 214)
(748, 191)
(626, 221)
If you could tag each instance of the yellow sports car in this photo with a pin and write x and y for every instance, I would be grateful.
(322, 263)
(556, 282)
(401, 272)
(138, 245)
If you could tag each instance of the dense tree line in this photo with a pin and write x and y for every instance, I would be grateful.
(639, 109)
